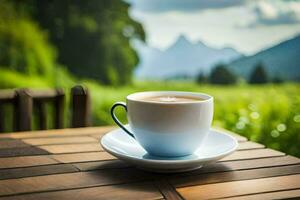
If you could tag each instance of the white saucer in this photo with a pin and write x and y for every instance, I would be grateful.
(216, 146)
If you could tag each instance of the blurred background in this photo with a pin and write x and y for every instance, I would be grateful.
(244, 53)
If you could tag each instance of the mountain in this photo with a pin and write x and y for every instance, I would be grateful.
(181, 59)
(280, 61)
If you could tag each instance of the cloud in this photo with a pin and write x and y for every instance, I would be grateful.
(270, 13)
(157, 6)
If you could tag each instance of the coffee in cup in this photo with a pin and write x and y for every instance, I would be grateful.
(170, 99)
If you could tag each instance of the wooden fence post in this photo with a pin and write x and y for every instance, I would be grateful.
(1, 117)
(23, 110)
(81, 107)
(7, 97)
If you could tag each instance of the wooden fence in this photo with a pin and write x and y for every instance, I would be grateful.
(24, 101)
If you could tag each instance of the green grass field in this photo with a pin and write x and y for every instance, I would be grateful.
(269, 114)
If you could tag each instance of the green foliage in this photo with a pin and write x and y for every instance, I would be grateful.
(14, 79)
(23, 46)
(92, 37)
(277, 80)
(259, 75)
(201, 78)
(221, 75)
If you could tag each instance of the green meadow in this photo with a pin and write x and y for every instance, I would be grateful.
(269, 114)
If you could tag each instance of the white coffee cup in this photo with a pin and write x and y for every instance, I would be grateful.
(168, 129)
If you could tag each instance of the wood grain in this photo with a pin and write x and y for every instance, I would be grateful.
(242, 165)
(36, 171)
(82, 157)
(248, 164)
(249, 145)
(25, 161)
(7, 143)
(288, 194)
(22, 151)
(106, 164)
(60, 132)
(134, 191)
(167, 190)
(244, 187)
(59, 140)
(71, 181)
(250, 154)
(78, 168)
(72, 148)
(234, 175)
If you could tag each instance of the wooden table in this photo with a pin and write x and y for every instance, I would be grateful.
(70, 164)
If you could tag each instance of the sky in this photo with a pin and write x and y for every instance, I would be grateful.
(246, 25)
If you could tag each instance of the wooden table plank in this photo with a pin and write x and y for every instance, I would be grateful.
(36, 171)
(167, 190)
(250, 154)
(59, 132)
(82, 157)
(123, 191)
(287, 194)
(72, 148)
(22, 151)
(71, 180)
(60, 140)
(8, 143)
(234, 175)
(26, 161)
(113, 164)
(106, 164)
(250, 145)
(242, 165)
(244, 187)
(249, 164)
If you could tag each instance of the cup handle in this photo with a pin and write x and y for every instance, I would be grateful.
(116, 119)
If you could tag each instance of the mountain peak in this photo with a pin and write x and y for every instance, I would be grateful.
(182, 40)
(182, 58)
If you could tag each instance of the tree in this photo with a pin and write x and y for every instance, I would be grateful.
(277, 80)
(24, 47)
(201, 78)
(92, 37)
(259, 75)
(221, 75)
